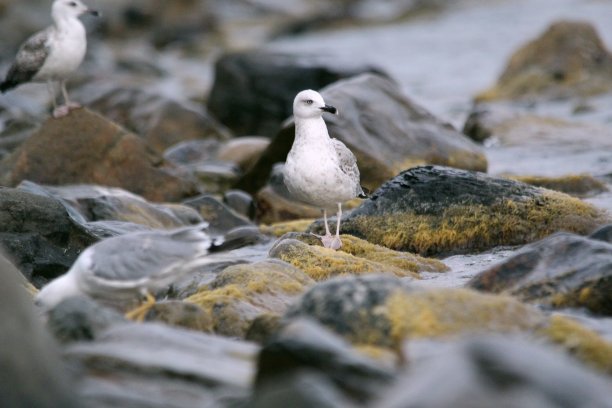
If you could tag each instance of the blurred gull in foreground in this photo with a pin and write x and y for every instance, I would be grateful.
(52, 54)
(118, 271)
(320, 170)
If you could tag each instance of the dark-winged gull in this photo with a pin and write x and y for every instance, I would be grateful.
(119, 271)
(319, 170)
(52, 54)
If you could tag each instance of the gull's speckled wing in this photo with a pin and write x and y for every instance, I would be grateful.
(30, 58)
(348, 164)
(142, 258)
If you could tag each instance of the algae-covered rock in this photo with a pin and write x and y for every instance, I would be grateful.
(569, 59)
(385, 130)
(180, 314)
(380, 310)
(240, 293)
(579, 185)
(357, 258)
(563, 270)
(439, 210)
(84, 147)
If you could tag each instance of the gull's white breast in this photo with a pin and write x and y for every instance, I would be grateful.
(67, 50)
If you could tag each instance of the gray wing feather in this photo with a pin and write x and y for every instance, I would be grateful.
(29, 60)
(152, 255)
(348, 164)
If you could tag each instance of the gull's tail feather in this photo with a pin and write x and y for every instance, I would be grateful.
(364, 193)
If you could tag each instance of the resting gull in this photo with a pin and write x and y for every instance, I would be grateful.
(320, 170)
(52, 54)
(119, 271)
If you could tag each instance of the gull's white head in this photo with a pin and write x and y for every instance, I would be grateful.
(65, 9)
(56, 291)
(310, 104)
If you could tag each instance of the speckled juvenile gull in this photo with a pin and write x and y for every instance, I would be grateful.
(52, 54)
(320, 170)
(118, 271)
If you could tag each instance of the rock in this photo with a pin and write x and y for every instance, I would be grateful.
(243, 151)
(569, 59)
(219, 216)
(384, 140)
(267, 83)
(356, 257)
(38, 234)
(603, 234)
(281, 228)
(263, 328)
(155, 365)
(439, 210)
(382, 311)
(80, 319)
(83, 147)
(192, 151)
(563, 270)
(304, 346)
(241, 202)
(160, 121)
(33, 374)
(495, 371)
(240, 293)
(578, 185)
(181, 314)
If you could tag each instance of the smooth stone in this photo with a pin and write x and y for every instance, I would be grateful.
(220, 217)
(243, 151)
(192, 151)
(603, 234)
(241, 202)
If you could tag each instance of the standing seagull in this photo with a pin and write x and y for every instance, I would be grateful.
(320, 170)
(52, 54)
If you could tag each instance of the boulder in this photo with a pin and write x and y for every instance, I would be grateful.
(240, 293)
(39, 235)
(357, 257)
(563, 270)
(439, 210)
(220, 217)
(253, 91)
(578, 185)
(160, 121)
(385, 130)
(83, 147)
(568, 59)
(491, 371)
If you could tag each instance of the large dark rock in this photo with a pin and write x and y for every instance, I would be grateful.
(304, 346)
(83, 147)
(38, 234)
(220, 217)
(160, 121)
(563, 270)
(502, 372)
(440, 210)
(253, 91)
(385, 130)
(32, 373)
(569, 59)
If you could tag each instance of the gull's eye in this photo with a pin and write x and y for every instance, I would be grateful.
(72, 4)
(309, 102)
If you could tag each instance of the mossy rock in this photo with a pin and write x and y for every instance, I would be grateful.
(241, 293)
(181, 314)
(579, 185)
(356, 257)
(569, 59)
(382, 311)
(563, 270)
(433, 210)
(279, 229)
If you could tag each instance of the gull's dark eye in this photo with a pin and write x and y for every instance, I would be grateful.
(72, 4)
(309, 102)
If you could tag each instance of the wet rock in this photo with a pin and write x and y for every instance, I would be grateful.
(569, 59)
(157, 365)
(83, 147)
(160, 121)
(439, 210)
(579, 185)
(38, 234)
(356, 257)
(219, 216)
(603, 234)
(494, 371)
(240, 293)
(32, 374)
(385, 130)
(181, 314)
(241, 202)
(80, 319)
(268, 83)
(304, 346)
(563, 270)
(243, 151)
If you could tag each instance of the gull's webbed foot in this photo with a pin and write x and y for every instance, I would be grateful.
(61, 111)
(329, 241)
